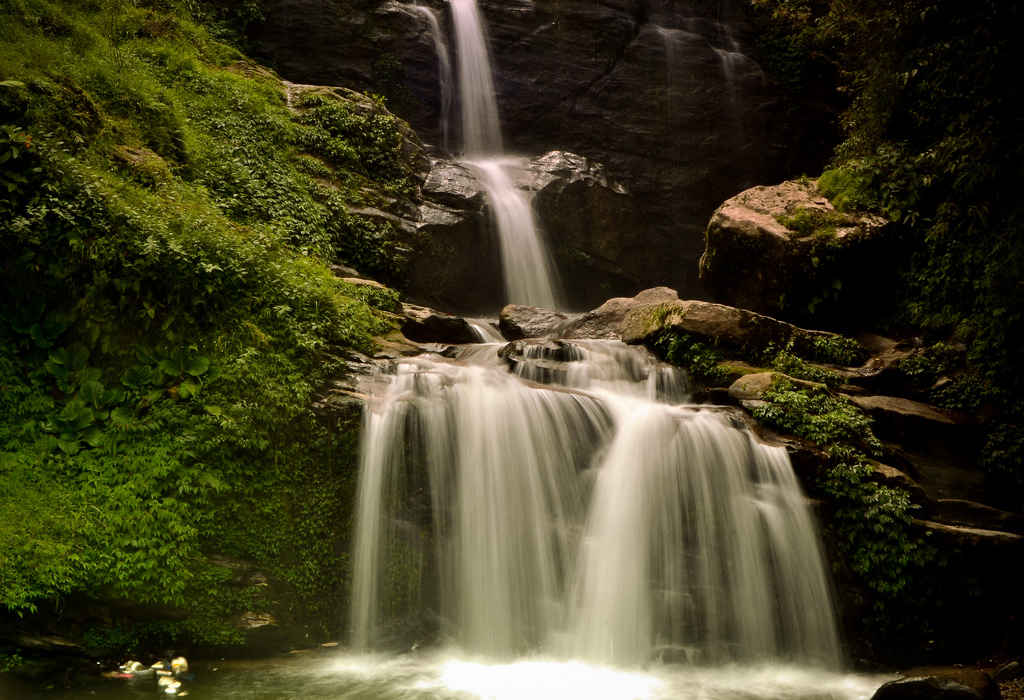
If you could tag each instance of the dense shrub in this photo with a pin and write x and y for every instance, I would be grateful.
(167, 316)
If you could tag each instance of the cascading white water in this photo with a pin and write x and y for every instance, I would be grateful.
(526, 264)
(559, 497)
(481, 129)
(444, 71)
(699, 542)
(575, 512)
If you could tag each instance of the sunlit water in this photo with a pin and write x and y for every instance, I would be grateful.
(561, 498)
(445, 676)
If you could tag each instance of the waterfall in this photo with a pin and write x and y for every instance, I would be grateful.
(444, 71)
(525, 261)
(481, 130)
(577, 508)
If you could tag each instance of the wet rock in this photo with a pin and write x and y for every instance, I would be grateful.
(785, 250)
(603, 323)
(751, 387)
(912, 421)
(1009, 672)
(547, 349)
(425, 325)
(894, 478)
(394, 345)
(940, 684)
(960, 536)
(959, 511)
(453, 184)
(517, 321)
(340, 402)
(589, 221)
(579, 210)
(719, 324)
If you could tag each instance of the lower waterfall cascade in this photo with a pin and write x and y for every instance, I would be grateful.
(565, 499)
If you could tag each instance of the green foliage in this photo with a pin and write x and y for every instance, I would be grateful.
(932, 142)
(789, 364)
(875, 534)
(810, 221)
(876, 521)
(924, 368)
(850, 188)
(834, 349)
(699, 359)
(10, 662)
(167, 316)
(1003, 461)
(816, 415)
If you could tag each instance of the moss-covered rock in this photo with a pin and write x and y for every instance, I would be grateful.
(786, 250)
(738, 330)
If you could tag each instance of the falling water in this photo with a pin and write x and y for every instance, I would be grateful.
(481, 130)
(525, 261)
(578, 509)
(444, 71)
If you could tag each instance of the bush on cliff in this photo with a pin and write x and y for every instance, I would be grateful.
(167, 315)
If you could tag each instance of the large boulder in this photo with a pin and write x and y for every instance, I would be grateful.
(518, 321)
(785, 250)
(604, 322)
(730, 327)
(425, 325)
(940, 684)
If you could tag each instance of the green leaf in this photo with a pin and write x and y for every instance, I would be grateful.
(89, 374)
(94, 437)
(171, 368)
(114, 396)
(69, 445)
(92, 392)
(214, 410)
(76, 358)
(75, 416)
(188, 389)
(138, 376)
(122, 416)
(198, 365)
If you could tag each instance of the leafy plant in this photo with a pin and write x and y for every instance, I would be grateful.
(817, 415)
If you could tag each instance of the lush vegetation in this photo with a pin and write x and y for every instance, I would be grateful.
(931, 141)
(167, 317)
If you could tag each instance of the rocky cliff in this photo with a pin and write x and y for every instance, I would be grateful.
(668, 95)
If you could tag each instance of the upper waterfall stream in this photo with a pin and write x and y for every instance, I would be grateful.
(529, 276)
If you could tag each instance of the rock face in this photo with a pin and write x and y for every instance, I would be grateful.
(785, 250)
(517, 321)
(940, 684)
(452, 248)
(425, 325)
(666, 94)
